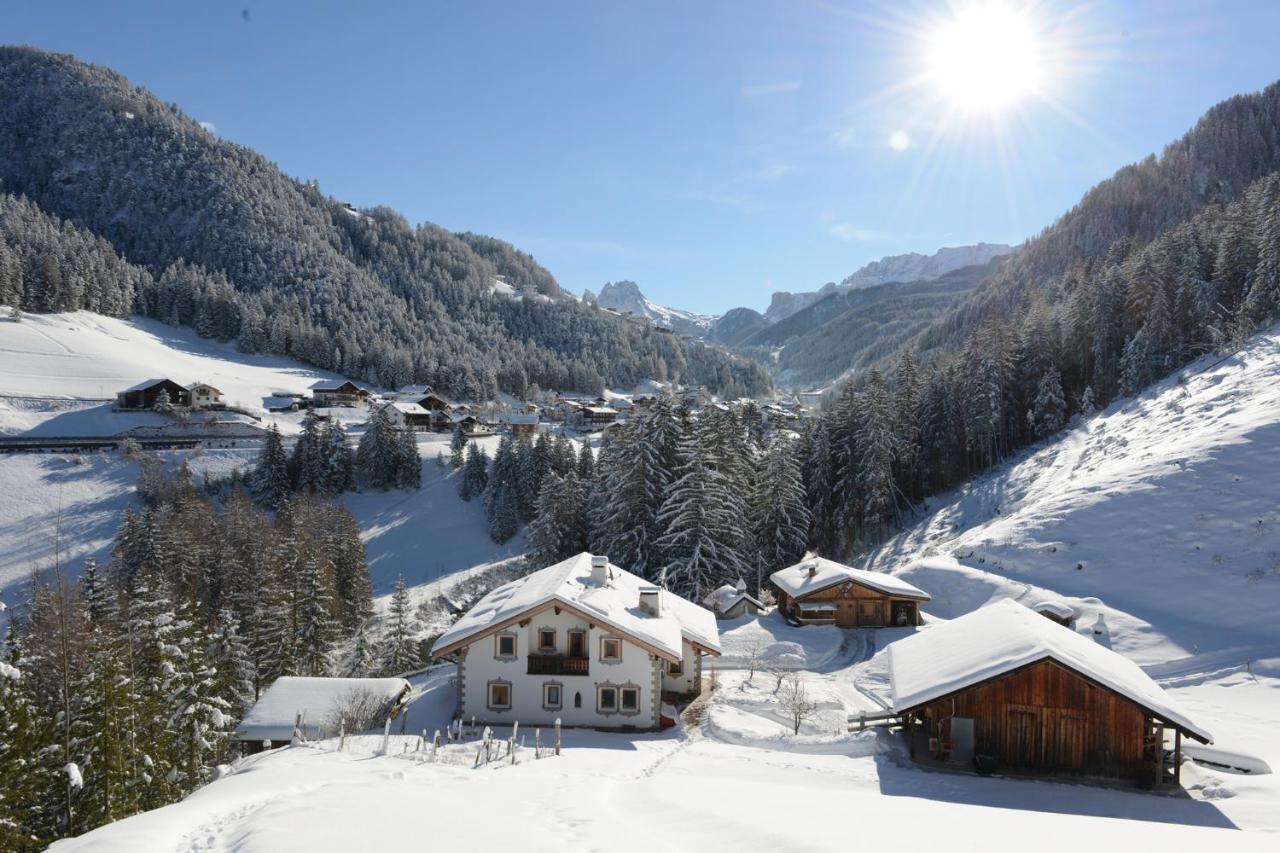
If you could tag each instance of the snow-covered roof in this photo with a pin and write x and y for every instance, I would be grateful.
(599, 410)
(1004, 636)
(406, 408)
(615, 602)
(1053, 607)
(518, 418)
(817, 573)
(273, 715)
(194, 385)
(147, 383)
(725, 598)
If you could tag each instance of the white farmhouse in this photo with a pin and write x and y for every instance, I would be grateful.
(582, 641)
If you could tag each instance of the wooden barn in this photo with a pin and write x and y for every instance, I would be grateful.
(347, 394)
(147, 393)
(1005, 689)
(821, 591)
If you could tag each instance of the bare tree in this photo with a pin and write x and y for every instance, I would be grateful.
(754, 656)
(357, 710)
(795, 700)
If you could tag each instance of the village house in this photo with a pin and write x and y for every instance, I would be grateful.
(582, 641)
(1003, 688)
(821, 591)
(149, 392)
(470, 425)
(345, 394)
(408, 416)
(592, 418)
(732, 600)
(202, 395)
(433, 403)
(314, 706)
(519, 423)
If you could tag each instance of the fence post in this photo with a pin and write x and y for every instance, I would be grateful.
(342, 736)
(537, 744)
(435, 746)
(386, 736)
(557, 735)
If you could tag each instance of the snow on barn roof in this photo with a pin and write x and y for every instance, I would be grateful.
(272, 716)
(817, 573)
(406, 408)
(725, 598)
(1053, 607)
(148, 383)
(1004, 636)
(616, 603)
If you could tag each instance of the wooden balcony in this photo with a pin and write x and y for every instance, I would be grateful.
(557, 665)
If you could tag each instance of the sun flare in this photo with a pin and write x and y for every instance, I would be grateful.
(985, 57)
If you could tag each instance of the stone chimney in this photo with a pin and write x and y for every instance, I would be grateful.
(813, 570)
(599, 569)
(651, 600)
(741, 586)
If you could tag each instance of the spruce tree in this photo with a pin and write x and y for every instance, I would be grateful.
(270, 478)
(475, 475)
(380, 454)
(779, 516)
(314, 631)
(1049, 411)
(308, 467)
(457, 445)
(400, 650)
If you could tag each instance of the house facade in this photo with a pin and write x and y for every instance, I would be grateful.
(731, 601)
(202, 395)
(346, 394)
(582, 641)
(409, 416)
(821, 591)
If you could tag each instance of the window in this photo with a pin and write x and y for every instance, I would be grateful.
(546, 639)
(577, 644)
(607, 700)
(675, 668)
(505, 646)
(610, 649)
(630, 700)
(499, 696)
(577, 700)
(551, 695)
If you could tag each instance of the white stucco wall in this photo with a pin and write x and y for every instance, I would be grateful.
(479, 667)
(690, 678)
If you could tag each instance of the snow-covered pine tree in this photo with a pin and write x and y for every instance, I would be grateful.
(408, 461)
(23, 776)
(506, 515)
(457, 447)
(270, 479)
(545, 528)
(199, 719)
(562, 458)
(362, 663)
(231, 659)
(315, 628)
(878, 444)
(379, 456)
(1049, 410)
(400, 650)
(340, 461)
(475, 474)
(630, 484)
(1087, 403)
(504, 476)
(308, 468)
(779, 516)
(586, 466)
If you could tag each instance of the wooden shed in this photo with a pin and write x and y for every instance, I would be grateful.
(821, 591)
(1004, 688)
(147, 393)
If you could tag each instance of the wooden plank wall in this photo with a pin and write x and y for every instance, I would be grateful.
(1047, 718)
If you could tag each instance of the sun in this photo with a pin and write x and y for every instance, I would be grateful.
(985, 57)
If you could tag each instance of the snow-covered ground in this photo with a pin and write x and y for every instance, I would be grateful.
(735, 778)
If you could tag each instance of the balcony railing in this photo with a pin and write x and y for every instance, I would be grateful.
(557, 665)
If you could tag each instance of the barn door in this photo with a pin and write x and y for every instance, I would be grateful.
(870, 613)
(847, 615)
(1021, 737)
(1066, 746)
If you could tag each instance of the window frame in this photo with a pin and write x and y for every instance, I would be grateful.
(622, 691)
(547, 648)
(601, 691)
(488, 697)
(605, 658)
(547, 705)
(497, 645)
(586, 653)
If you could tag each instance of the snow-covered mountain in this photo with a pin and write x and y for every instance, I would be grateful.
(910, 267)
(625, 297)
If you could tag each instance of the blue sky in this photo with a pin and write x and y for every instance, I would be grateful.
(712, 152)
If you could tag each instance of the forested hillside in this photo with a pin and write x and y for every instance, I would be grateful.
(241, 251)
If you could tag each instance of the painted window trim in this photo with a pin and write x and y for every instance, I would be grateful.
(600, 691)
(675, 668)
(497, 645)
(568, 649)
(610, 639)
(622, 709)
(547, 706)
(554, 640)
(488, 695)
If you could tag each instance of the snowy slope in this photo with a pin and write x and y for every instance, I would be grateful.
(57, 369)
(1162, 513)
(625, 298)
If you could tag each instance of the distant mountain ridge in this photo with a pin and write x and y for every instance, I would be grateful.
(910, 267)
(625, 297)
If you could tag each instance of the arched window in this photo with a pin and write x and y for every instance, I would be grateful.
(577, 700)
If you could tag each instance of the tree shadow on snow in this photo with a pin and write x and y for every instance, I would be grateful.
(1044, 795)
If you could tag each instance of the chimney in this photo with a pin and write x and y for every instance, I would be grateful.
(599, 569)
(741, 586)
(813, 570)
(651, 600)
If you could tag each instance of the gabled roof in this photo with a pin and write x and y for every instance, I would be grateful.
(406, 408)
(345, 387)
(796, 580)
(194, 385)
(615, 603)
(1005, 636)
(725, 598)
(149, 383)
(273, 715)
